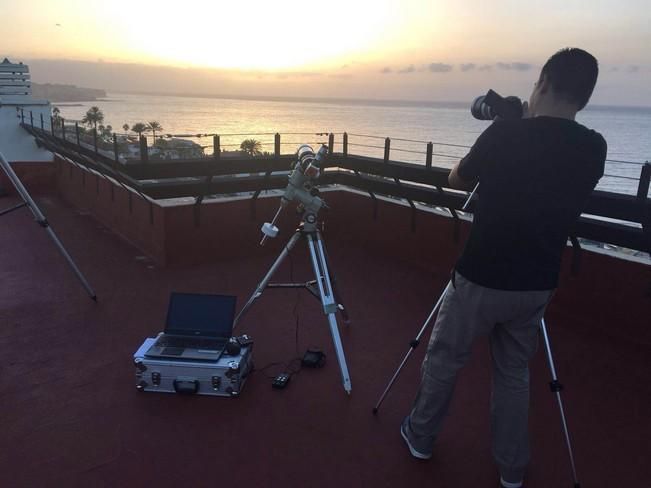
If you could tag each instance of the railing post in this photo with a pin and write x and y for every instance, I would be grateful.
(277, 145)
(144, 155)
(645, 181)
(216, 148)
(387, 148)
(77, 132)
(643, 195)
(42, 123)
(428, 158)
(116, 153)
(63, 128)
(31, 118)
(331, 143)
(345, 149)
(22, 116)
(52, 125)
(95, 138)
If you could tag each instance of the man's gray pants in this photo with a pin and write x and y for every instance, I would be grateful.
(511, 320)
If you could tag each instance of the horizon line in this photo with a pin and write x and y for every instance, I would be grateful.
(335, 100)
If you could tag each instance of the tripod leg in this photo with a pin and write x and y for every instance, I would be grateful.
(556, 388)
(11, 209)
(263, 284)
(42, 221)
(329, 305)
(335, 290)
(71, 262)
(413, 345)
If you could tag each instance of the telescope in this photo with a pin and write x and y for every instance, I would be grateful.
(302, 188)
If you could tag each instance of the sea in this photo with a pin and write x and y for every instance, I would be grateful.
(409, 125)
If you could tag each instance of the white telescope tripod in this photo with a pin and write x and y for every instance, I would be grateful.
(301, 188)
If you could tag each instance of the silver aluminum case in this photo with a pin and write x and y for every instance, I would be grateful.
(225, 377)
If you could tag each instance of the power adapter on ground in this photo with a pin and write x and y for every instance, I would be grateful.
(313, 358)
(281, 381)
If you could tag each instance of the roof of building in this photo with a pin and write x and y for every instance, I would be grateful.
(72, 415)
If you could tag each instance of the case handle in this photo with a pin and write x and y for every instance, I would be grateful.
(186, 386)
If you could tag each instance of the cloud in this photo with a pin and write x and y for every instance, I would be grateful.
(409, 69)
(439, 67)
(345, 66)
(614, 69)
(521, 66)
(514, 66)
(468, 67)
(386, 70)
(297, 74)
(486, 67)
(633, 69)
(341, 76)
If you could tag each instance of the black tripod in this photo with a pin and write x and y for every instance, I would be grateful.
(325, 289)
(554, 385)
(40, 220)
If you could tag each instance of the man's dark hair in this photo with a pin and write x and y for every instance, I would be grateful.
(572, 73)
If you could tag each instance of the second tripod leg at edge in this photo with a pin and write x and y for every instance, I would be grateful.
(333, 279)
(329, 305)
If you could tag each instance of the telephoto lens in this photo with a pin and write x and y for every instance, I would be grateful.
(492, 105)
(481, 110)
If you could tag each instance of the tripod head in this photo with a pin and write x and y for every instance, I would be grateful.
(301, 188)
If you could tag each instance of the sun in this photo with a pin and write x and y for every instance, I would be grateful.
(254, 35)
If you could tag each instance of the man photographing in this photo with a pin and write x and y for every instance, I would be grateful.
(535, 176)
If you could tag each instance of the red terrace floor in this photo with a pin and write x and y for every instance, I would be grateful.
(71, 416)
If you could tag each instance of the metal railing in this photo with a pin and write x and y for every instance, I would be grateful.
(615, 218)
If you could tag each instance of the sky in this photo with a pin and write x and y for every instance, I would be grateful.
(438, 50)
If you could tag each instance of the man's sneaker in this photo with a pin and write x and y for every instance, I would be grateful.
(414, 452)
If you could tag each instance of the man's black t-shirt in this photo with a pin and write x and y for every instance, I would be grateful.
(535, 177)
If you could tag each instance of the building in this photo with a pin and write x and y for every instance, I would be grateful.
(16, 95)
(72, 415)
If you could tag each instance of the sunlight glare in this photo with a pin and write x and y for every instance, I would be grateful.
(257, 35)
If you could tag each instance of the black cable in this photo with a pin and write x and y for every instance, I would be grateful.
(295, 369)
(293, 366)
(298, 300)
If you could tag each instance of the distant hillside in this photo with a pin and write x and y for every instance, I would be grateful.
(66, 93)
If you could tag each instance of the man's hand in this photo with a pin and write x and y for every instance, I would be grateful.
(457, 182)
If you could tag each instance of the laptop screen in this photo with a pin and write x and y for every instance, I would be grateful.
(200, 315)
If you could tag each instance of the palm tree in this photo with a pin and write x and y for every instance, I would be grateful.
(56, 116)
(154, 126)
(126, 127)
(139, 128)
(251, 147)
(93, 117)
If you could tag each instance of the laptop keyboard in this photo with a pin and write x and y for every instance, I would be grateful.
(191, 342)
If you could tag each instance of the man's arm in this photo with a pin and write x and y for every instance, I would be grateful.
(465, 174)
(459, 183)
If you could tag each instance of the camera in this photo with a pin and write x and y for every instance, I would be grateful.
(492, 105)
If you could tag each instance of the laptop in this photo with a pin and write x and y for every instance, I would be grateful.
(198, 327)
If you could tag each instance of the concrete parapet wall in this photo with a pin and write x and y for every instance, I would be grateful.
(38, 177)
(614, 292)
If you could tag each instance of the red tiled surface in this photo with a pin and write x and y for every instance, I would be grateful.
(71, 415)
